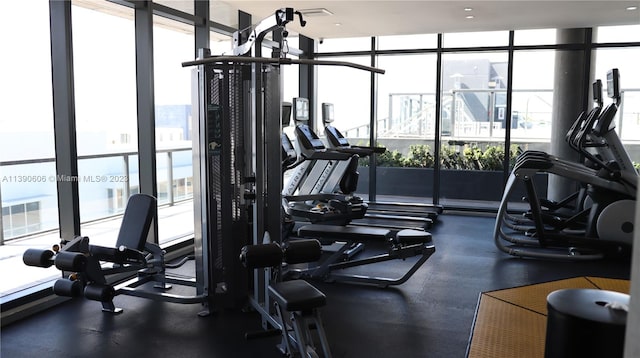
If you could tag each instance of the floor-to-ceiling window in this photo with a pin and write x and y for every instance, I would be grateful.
(173, 43)
(406, 126)
(105, 105)
(104, 90)
(347, 89)
(473, 100)
(610, 55)
(473, 113)
(27, 155)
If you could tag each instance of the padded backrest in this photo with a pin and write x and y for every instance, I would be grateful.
(136, 222)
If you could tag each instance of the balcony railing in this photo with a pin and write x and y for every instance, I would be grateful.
(29, 194)
(413, 114)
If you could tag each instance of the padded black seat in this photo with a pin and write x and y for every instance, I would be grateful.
(411, 237)
(297, 295)
(344, 232)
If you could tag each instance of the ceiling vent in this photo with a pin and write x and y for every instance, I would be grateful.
(316, 12)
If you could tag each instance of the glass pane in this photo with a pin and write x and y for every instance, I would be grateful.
(162, 161)
(532, 100)
(30, 188)
(223, 13)
(290, 75)
(627, 119)
(173, 127)
(182, 173)
(629, 33)
(534, 37)
(184, 6)
(348, 90)
(219, 44)
(345, 44)
(106, 114)
(99, 181)
(105, 81)
(407, 42)
(406, 127)
(476, 39)
(473, 112)
(26, 133)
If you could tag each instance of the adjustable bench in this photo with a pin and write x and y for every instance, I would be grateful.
(402, 245)
(82, 267)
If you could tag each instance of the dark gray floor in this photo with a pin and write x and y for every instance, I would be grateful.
(429, 316)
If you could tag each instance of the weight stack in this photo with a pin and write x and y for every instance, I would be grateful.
(585, 323)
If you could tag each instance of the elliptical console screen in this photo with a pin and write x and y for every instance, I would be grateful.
(613, 84)
(301, 112)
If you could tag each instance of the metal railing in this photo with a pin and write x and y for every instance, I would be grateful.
(415, 117)
(127, 189)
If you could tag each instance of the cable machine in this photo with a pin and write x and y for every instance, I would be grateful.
(237, 161)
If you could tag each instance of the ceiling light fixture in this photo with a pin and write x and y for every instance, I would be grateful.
(632, 8)
(469, 17)
(316, 12)
(468, 9)
(338, 24)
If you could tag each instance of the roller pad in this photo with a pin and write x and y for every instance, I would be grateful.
(71, 261)
(412, 237)
(65, 287)
(38, 257)
(299, 251)
(99, 293)
(264, 255)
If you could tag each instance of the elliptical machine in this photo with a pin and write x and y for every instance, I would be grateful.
(609, 185)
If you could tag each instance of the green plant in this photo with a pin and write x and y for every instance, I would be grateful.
(390, 159)
(462, 157)
(473, 158)
(450, 158)
(493, 158)
(637, 166)
(419, 157)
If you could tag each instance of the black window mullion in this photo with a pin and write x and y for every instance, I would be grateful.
(64, 122)
(145, 105)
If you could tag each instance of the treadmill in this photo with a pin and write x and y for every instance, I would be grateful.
(378, 210)
(307, 190)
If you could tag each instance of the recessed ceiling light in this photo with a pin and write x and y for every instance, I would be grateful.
(469, 17)
(468, 9)
(338, 24)
(632, 8)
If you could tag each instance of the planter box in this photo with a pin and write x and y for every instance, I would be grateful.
(454, 184)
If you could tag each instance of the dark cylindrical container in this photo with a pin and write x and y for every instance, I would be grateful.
(585, 323)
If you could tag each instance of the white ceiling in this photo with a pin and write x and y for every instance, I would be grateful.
(376, 17)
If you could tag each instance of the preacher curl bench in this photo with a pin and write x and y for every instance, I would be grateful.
(296, 302)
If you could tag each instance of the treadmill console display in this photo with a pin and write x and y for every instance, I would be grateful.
(327, 112)
(286, 114)
(301, 112)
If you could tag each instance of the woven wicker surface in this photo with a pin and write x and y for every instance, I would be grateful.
(512, 322)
